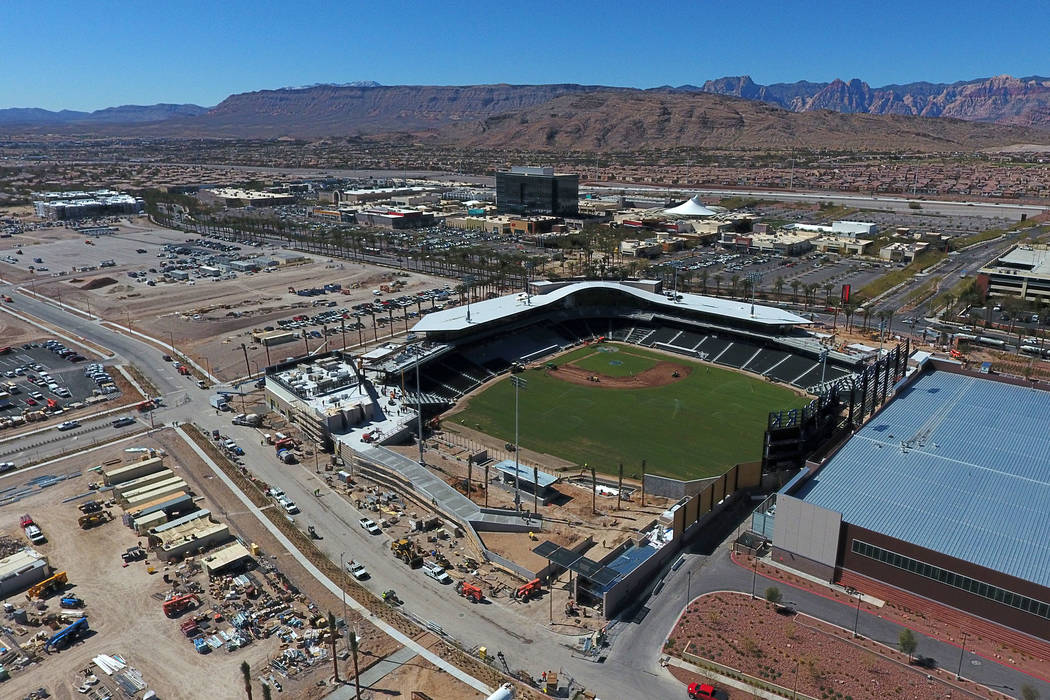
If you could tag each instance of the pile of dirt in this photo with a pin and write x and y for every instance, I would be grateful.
(9, 545)
(98, 283)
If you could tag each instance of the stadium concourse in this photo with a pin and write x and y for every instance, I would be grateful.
(465, 346)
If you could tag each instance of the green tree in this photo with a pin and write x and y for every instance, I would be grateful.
(906, 642)
(778, 286)
(795, 285)
(246, 673)
(267, 693)
(734, 282)
(718, 284)
(773, 595)
(1029, 693)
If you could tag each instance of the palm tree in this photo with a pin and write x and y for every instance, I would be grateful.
(703, 280)
(828, 286)
(718, 284)
(867, 316)
(795, 285)
(353, 655)
(331, 638)
(734, 282)
(778, 286)
(246, 672)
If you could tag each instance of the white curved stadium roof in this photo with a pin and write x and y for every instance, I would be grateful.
(505, 307)
(691, 207)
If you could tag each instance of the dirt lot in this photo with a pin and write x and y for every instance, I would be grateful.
(17, 332)
(208, 319)
(661, 374)
(123, 603)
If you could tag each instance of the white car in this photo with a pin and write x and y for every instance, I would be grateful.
(436, 572)
(275, 492)
(370, 527)
(357, 570)
(6, 466)
(288, 505)
(68, 425)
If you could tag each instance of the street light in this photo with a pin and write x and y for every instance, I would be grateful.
(754, 573)
(468, 280)
(856, 619)
(519, 383)
(962, 650)
(754, 278)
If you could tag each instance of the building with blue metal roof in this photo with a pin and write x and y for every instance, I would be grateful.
(945, 493)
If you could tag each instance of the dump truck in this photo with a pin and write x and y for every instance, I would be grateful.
(469, 591)
(178, 604)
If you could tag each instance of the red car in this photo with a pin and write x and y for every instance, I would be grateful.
(30, 402)
(701, 690)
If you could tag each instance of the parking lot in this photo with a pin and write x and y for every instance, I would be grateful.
(34, 374)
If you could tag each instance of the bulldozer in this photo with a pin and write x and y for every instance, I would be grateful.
(404, 550)
(469, 591)
(180, 603)
(96, 518)
(526, 591)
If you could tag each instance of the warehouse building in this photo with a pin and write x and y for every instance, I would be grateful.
(63, 206)
(944, 493)
(236, 197)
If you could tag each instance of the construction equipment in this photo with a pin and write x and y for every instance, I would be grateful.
(405, 551)
(90, 507)
(71, 601)
(570, 608)
(190, 628)
(133, 554)
(469, 591)
(92, 519)
(68, 634)
(180, 603)
(201, 646)
(550, 682)
(47, 586)
(527, 591)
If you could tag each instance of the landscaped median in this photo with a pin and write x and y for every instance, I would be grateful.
(255, 490)
(771, 648)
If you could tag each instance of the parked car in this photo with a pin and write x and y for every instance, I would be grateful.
(357, 570)
(121, 422)
(69, 425)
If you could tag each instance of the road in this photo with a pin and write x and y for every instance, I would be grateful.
(631, 668)
(861, 201)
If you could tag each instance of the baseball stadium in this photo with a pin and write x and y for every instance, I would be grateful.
(620, 372)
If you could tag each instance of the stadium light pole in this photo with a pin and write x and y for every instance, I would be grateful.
(519, 383)
(419, 404)
(823, 363)
(468, 280)
(754, 278)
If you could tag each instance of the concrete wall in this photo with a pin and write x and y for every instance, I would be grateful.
(806, 532)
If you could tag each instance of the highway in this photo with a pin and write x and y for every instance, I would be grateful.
(631, 668)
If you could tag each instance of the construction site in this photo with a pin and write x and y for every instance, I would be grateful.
(132, 554)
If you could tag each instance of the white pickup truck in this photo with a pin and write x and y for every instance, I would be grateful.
(436, 572)
(357, 570)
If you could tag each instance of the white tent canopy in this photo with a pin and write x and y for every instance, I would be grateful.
(691, 207)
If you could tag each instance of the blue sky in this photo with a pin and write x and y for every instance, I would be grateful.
(91, 54)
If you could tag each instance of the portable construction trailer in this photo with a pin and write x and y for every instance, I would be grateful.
(124, 487)
(175, 504)
(127, 472)
(176, 481)
(144, 523)
(156, 493)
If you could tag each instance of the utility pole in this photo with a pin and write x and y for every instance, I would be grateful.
(643, 483)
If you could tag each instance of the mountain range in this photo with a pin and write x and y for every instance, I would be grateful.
(999, 100)
(724, 113)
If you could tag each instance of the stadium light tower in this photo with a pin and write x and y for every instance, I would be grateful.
(468, 280)
(519, 383)
(823, 363)
(755, 279)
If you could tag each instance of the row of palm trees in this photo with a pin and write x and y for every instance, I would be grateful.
(246, 669)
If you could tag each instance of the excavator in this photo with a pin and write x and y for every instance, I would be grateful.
(96, 518)
(180, 603)
(469, 591)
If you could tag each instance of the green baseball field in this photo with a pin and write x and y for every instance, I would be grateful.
(615, 403)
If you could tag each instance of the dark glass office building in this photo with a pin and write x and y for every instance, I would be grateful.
(537, 191)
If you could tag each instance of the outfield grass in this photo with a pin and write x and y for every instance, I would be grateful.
(622, 363)
(693, 428)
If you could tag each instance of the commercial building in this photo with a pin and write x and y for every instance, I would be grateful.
(902, 252)
(842, 245)
(524, 190)
(780, 242)
(1023, 272)
(848, 229)
(394, 218)
(63, 206)
(236, 197)
(943, 493)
